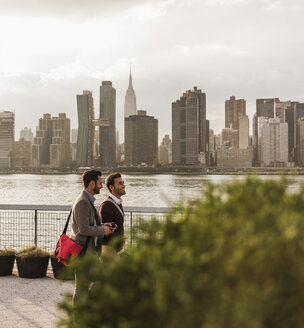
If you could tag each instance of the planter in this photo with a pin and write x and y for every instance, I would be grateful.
(6, 264)
(32, 266)
(59, 270)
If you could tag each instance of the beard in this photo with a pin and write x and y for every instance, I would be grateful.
(96, 190)
(120, 192)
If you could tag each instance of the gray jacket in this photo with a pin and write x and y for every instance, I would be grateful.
(83, 216)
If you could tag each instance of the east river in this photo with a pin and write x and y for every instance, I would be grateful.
(141, 190)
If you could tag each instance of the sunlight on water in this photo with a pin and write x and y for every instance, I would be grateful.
(142, 190)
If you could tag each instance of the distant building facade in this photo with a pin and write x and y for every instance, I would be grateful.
(292, 116)
(27, 134)
(7, 139)
(189, 128)
(74, 133)
(42, 142)
(234, 157)
(51, 147)
(86, 130)
(233, 109)
(23, 153)
(165, 150)
(107, 131)
(280, 108)
(264, 108)
(130, 99)
(273, 141)
(141, 139)
(230, 137)
(211, 148)
(60, 148)
(300, 142)
(243, 132)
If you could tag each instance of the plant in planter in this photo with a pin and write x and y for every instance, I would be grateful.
(60, 270)
(32, 262)
(7, 259)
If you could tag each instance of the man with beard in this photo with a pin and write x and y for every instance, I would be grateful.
(111, 209)
(87, 229)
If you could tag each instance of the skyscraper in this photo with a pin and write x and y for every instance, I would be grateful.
(51, 145)
(27, 134)
(273, 141)
(292, 115)
(189, 128)
(23, 153)
(7, 139)
(60, 148)
(107, 132)
(211, 148)
(42, 142)
(130, 99)
(74, 133)
(264, 108)
(230, 137)
(243, 131)
(300, 142)
(234, 108)
(280, 109)
(141, 139)
(85, 134)
(165, 150)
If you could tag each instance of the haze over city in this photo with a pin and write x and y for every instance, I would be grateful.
(51, 51)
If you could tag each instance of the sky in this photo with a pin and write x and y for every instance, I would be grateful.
(50, 51)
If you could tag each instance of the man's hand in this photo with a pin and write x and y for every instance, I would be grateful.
(112, 225)
(107, 229)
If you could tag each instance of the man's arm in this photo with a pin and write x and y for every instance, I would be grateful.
(107, 212)
(82, 218)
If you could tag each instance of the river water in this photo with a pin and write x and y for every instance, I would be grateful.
(141, 190)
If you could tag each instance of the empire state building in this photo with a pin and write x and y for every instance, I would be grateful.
(130, 99)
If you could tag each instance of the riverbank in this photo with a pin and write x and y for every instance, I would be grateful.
(172, 170)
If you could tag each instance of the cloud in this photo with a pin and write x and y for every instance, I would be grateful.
(70, 9)
(247, 48)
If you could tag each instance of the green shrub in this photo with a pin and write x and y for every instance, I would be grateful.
(32, 251)
(7, 251)
(233, 258)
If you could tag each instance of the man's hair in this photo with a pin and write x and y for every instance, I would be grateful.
(90, 175)
(110, 180)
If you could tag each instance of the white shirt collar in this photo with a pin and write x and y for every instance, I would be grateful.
(116, 200)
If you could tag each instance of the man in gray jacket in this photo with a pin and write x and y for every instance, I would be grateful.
(87, 229)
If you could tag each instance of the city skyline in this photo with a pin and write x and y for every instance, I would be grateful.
(277, 140)
(218, 47)
(18, 133)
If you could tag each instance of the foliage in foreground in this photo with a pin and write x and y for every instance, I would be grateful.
(234, 258)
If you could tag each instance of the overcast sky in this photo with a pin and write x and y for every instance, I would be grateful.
(52, 50)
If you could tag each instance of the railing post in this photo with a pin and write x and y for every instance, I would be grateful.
(131, 223)
(36, 228)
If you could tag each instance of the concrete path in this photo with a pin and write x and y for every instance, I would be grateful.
(31, 303)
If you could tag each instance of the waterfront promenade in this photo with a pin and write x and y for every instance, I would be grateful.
(31, 303)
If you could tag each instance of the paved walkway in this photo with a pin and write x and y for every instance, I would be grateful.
(30, 303)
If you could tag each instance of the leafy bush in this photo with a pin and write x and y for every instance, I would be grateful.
(32, 251)
(7, 251)
(233, 258)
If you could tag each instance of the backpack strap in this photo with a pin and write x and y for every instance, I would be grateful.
(67, 223)
(66, 228)
(109, 199)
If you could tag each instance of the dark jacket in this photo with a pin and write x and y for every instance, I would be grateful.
(109, 212)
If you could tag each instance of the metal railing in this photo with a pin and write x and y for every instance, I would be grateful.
(41, 225)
